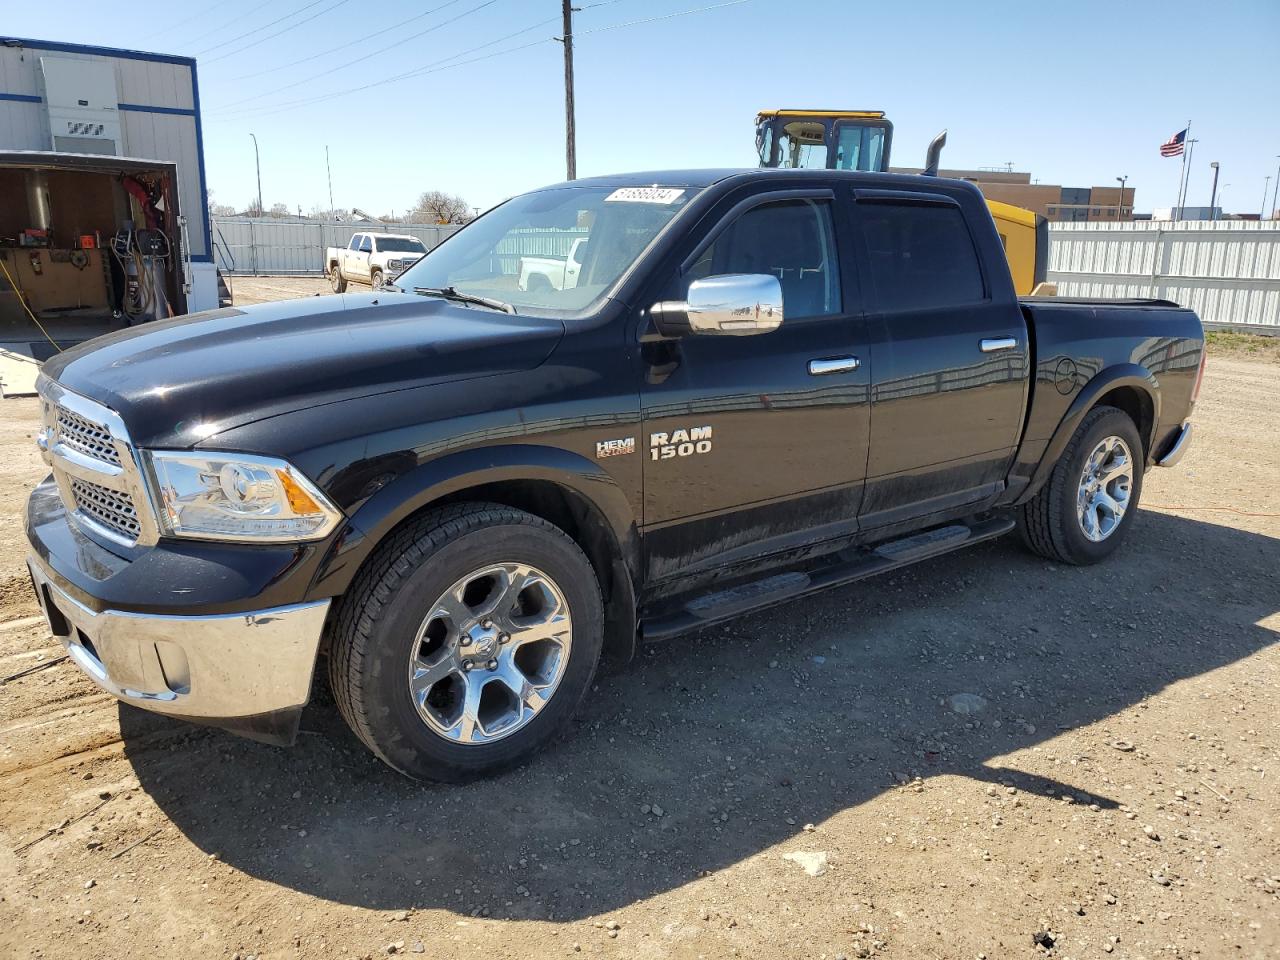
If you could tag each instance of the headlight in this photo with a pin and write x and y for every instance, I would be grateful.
(237, 497)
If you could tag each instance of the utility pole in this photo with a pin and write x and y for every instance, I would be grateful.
(570, 134)
(258, 166)
(1213, 195)
(1120, 206)
(329, 173)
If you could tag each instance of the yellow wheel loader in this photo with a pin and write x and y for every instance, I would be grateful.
(861, 140)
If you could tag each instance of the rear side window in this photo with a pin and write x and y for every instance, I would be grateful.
(921, 255)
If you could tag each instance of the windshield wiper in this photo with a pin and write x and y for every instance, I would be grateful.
(453, 293)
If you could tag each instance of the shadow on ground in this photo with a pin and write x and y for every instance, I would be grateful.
(800, 713)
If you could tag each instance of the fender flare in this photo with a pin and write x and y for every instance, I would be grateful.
(1106, 380)
(419, 487)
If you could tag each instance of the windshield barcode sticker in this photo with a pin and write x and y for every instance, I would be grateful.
(645, 195)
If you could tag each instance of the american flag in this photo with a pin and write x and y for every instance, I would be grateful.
(1173, 146)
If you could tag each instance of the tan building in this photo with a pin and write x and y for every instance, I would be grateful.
(1057, 203)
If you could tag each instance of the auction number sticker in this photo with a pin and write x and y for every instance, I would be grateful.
(645, 195)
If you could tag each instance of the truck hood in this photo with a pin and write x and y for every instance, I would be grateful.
(176, 382)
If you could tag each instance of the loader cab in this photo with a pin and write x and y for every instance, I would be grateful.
(824, 139)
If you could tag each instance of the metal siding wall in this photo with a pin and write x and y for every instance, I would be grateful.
(1228, 272)
(23, 125)
(269, 246)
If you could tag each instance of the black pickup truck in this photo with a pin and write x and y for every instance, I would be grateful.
(459, 495)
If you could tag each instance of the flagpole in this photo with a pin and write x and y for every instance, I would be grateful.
(1182, 173)
(1191, 156)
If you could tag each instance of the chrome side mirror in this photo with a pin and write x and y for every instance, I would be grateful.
(733, 304)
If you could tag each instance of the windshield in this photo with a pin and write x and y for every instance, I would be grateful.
(400, 245)
(803, 144)
(526, 251)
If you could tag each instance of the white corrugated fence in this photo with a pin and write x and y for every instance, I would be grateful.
(1227, 271)
(265, 245)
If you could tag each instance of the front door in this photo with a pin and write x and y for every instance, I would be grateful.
(756, 445)
(949, 361)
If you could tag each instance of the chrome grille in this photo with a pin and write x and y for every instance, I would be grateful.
(86, 437)
(113, 509)
(94, 466)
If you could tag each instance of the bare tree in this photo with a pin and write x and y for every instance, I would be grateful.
(279, 210)
(436, 206)
(221, 210)
(253, 208)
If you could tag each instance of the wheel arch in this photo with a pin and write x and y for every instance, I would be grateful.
(560, 486)
(1126, 386)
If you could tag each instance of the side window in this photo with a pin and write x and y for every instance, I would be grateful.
(921, 255)
(354, 243)
(791, 239)
(366, 244)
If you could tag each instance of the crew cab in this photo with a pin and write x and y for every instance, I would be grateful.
(552, 273)
(454, 496)
(372, 258)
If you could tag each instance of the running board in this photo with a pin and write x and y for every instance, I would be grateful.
(847, 566)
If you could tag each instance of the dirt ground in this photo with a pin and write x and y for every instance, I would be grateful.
(805, 783)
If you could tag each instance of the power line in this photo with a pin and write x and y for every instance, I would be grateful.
(206, 12)
(668, 16)
(265, 26)
(272, 36)
(267, 110)
(367, 56)
(343, 46)
(433, 67)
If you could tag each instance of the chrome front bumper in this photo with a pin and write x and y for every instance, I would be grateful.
(1176, 449)
(247, 672)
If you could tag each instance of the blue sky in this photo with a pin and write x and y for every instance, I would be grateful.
(1077, 93)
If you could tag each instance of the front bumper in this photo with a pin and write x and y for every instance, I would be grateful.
(246, 672)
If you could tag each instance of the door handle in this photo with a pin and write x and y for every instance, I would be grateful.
(998, 343)
(820, 368)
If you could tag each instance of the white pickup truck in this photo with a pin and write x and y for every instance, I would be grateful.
(372, 258)
(552, 273)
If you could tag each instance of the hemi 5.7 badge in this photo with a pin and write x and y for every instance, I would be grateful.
(615, 448)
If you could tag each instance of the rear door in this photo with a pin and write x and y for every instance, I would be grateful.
(756, 445)
(949, 358)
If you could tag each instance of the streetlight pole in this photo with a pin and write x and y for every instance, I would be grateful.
(1213, 195)
(329, 173)
(258, 166)
(1266, 185)
(1120, 206)
(1273, 196)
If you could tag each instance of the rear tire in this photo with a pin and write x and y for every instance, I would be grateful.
(1082, 514)
(396, 628)
(337, 282)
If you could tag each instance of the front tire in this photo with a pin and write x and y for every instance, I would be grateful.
(337, 282)
(1085, 510)
(376, 280)
(467, 642)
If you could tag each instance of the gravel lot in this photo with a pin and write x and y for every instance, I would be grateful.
(957, 761)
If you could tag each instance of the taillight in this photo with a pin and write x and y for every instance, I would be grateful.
(1195, 389)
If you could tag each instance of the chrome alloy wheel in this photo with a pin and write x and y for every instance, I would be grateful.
(1105, 486)
(490, 653)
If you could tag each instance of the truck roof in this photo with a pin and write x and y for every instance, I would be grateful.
(708, 177)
